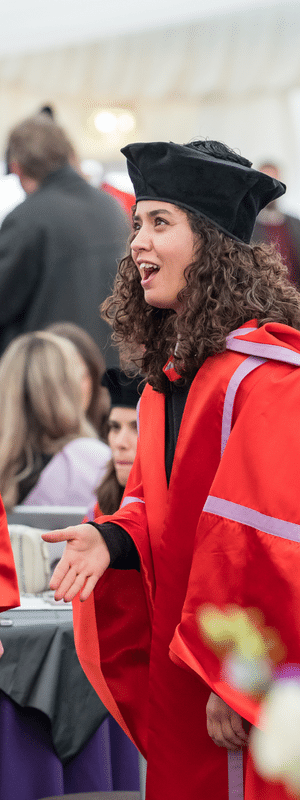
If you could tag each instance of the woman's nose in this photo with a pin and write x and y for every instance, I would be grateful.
(122, 439)
(141, 241)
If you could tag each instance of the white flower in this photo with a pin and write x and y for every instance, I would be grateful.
(250, 675)
(276, 748)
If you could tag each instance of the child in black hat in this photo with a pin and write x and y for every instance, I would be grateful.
(208, 515)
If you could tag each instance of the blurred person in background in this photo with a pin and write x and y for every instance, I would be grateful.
(50, 454)
(11, 191)
(97, 395)
(122, 439)
(283, 230)
(59, 248)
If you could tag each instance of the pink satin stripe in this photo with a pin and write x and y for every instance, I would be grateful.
(267, 351)
(242, 370)
(138, 416)
(253, 518)
(235, 775)
(239, 332)
(129, 499)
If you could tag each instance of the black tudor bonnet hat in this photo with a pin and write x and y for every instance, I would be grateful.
(123, 389)
(205, 177)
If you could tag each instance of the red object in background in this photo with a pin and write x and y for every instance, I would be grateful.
(125, 199)
(9, 592)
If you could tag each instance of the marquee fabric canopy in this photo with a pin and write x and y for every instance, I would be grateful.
(231, 74)
(27, 26)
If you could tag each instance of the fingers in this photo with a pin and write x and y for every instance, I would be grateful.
(59, 535)
(88, 588)
(221, 734)
(84, 561)
(70, 586)
(224, 725)
(238, 729)
(1, 649)
(233, 738)
(65, 584)
(224, 735)
(73, 583)
(59, 573)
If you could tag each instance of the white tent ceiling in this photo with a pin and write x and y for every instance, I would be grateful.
(226, 69)
(31, 26)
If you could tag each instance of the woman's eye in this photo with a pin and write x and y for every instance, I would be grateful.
(160, 221)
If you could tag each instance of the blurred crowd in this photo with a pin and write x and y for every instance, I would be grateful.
(61, 238)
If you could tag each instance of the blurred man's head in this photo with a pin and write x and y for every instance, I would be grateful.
(37, 147)
(273, 170)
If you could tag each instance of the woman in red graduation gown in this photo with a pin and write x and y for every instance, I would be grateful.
(210, 512)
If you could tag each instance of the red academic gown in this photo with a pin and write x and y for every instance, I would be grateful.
(226, 530)
(9, 592)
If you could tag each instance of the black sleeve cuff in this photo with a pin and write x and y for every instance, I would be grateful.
(122, 550)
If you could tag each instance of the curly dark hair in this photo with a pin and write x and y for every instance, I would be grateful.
(228, 283)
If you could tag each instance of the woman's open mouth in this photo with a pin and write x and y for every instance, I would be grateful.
(148, 272)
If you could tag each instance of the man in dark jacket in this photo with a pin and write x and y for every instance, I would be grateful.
(273, 226)
(59, 248)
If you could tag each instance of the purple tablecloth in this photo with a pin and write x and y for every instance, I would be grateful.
(30, 769)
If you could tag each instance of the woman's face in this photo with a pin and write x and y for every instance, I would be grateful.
(122, 439)
(162, 248)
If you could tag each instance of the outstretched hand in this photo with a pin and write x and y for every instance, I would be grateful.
(224, 725)
(85, 559)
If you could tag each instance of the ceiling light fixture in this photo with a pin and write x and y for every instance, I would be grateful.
(114, 121)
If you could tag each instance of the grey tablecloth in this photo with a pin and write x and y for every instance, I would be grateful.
(40, 669)
(100, 796)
